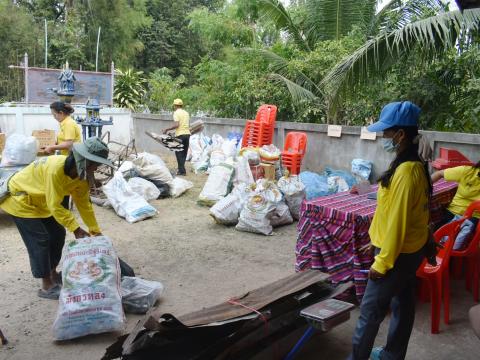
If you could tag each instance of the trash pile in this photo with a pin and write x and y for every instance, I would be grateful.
(334, 181)
(136, 182)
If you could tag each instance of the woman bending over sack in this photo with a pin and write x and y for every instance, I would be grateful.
(34, 202)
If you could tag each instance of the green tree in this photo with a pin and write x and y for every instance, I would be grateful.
(17, 36)
(129, 89)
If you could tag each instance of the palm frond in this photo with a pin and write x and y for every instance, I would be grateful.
(298, 92)
(274, 11)
(371, 60)
(281, 69)
(396, 14)
(333, 19)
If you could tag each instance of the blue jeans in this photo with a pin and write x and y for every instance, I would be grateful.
(44, 239)
(396, 291)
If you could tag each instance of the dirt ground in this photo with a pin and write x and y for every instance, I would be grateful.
(199, 262)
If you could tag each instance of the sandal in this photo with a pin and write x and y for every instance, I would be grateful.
(53, 293)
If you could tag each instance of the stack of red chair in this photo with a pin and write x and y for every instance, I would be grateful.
(259, 132)
(294, 151)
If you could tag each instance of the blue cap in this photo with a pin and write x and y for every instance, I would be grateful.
(402, 113)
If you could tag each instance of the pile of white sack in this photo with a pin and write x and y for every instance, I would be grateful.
(260, 206)
(139, 181)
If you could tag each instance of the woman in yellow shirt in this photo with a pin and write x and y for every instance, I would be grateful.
(35, 204)
(69, 130)
(398, 234)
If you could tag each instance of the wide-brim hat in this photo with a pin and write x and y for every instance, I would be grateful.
(95, 150)
(402, 113)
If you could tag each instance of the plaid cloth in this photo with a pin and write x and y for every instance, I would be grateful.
(333, 230)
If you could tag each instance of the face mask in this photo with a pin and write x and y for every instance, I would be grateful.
(389, 146)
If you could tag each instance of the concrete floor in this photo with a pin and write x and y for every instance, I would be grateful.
(455, 341)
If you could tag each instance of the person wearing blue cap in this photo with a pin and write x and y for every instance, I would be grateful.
(398, 234)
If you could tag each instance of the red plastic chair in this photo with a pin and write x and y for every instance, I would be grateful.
(260, 131)
(471, 254)
(294, 150)
(437, 277)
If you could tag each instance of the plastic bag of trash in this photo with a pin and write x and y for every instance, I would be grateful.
(361, 168)
(243, 174)
(229, 148)
(269, 152)
(218, 184)
(19, 150)
(217, 157)
(127, 203)
(281, 215)
(256, 214)
(198, 143)
(337, 184)
(217, 141)
(315, 184)
(162, 187)
(294, 191)
(227, 210)
(349, 178)
(202, 164)
(152, 167)
(179, 186)
(139, 295)
(144, 188)
(128, 170)
(90, 300)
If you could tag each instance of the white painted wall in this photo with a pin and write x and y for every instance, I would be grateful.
(25, 119)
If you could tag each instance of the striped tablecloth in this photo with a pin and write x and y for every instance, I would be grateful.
(333, 229)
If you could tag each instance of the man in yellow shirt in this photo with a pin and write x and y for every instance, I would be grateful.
(36, 194)
(69, 130)
(181, 119)
(398, 233)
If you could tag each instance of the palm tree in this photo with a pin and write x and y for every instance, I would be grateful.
(394, 33)
(430, 37)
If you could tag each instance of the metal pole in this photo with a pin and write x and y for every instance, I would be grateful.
(25, 64)
(98, 43)
(112, 85)
(46, 45)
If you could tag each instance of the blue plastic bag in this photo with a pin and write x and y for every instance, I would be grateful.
(315, 185)
(362, 168)
(349, 178)
(234, 135)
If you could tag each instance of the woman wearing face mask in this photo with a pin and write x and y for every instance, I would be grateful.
(398, 233)
(69, 130)
(35, 204)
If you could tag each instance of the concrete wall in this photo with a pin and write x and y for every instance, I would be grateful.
(25, 119)
(322, 150)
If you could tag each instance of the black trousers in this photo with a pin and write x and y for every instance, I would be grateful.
(44, 239)
(182, 155)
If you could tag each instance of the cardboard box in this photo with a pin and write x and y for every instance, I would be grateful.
(2, 142)
(45, 138)
(269, 171)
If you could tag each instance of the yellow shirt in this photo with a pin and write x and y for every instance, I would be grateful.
(44, 185)
(400, 223)
(183, 119)
(468, 187)
(69, 130)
